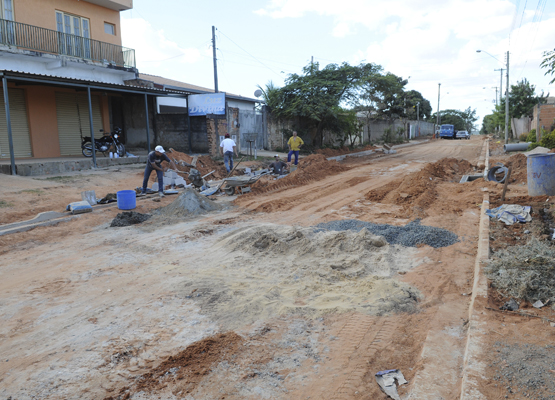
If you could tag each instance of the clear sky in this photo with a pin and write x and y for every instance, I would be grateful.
(425, 41)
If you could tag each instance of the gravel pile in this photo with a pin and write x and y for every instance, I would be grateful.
(525, 371)
(410, 235)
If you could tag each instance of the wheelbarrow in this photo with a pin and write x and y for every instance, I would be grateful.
(242, 183)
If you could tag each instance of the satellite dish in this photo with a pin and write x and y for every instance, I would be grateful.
(258, 92)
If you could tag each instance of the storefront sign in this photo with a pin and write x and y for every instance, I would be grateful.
(202, 104)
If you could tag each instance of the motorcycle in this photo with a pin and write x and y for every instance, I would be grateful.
(108, 142)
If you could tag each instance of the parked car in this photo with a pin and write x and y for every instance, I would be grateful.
(462, 135)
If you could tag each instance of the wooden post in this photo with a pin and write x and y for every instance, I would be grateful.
(506, 184)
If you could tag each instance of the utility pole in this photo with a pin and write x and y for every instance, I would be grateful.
(500, 83)
(507, 103)
(418, 119)
(438, 92)
(215, 60)
(495, 87)
(538, 129)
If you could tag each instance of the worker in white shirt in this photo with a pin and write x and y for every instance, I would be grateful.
(228, 148)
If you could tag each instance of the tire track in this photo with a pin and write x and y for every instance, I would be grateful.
(364, 336)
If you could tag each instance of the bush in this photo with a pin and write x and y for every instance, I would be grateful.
(548, 140)
(531, 136)
(523, 137)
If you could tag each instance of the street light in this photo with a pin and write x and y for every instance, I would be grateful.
(506, 96)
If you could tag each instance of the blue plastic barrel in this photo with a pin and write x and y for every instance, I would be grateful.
(127, 199)
(541, 174)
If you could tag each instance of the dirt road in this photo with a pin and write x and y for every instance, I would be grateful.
(244, 303)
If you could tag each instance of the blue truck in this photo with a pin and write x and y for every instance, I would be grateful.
(447, 131)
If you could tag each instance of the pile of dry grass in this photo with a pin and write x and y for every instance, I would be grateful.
(525, 272)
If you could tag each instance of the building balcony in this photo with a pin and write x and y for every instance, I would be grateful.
(34, 38)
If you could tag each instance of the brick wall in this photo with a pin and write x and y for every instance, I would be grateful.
(214, 135)
(547, 116)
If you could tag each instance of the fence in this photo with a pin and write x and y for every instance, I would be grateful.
(32, 37)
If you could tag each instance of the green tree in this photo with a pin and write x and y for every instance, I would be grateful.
(489, 125)
(462, 120)
(549, 64)
(425, 108)
(522, 99)
(315, 96)
(271, 95)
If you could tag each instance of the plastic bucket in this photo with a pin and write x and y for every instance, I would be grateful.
(541, 174)
(127, 199)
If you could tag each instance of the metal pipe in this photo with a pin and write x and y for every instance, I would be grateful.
(92, 128)
(516, 147)
(8, 122)
(507, 104)
(147, 125)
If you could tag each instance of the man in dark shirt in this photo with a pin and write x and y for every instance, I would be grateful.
(278, 166)
(154, 163)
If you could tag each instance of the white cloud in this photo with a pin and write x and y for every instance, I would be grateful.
(152, 46)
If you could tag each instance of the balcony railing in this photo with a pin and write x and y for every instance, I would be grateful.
(31, 37)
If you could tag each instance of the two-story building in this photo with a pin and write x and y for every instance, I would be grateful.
(58, 59)
(61, 58)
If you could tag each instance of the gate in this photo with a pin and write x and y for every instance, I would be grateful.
(250, 125)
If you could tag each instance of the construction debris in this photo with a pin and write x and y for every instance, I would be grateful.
(386, 380)
(511, 213)
(79, 207)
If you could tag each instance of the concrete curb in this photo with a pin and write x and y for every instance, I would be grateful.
(472, 367)
(39, 168)
(368, 152)
(22, 227)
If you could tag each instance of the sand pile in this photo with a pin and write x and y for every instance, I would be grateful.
(417, 191)
(189, 203)
(310, 169)
(276, 270)
(128, 218)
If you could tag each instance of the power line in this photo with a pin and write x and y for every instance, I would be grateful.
(249, 53)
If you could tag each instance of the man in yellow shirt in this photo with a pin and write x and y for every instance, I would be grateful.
(294, 143)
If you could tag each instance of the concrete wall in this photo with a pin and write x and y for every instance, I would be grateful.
(372, 131)
(42, 13)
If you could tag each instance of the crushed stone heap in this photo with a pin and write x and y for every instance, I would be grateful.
(410, 235)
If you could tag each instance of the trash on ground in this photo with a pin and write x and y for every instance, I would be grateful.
(386, 381)
(109, 198)
(128, 218)
(89, 196)
(511, 213)
(511, 305)
(538, 304)
(79, 207)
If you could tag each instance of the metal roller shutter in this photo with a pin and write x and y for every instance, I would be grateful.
(73, 120)
(20, 126)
